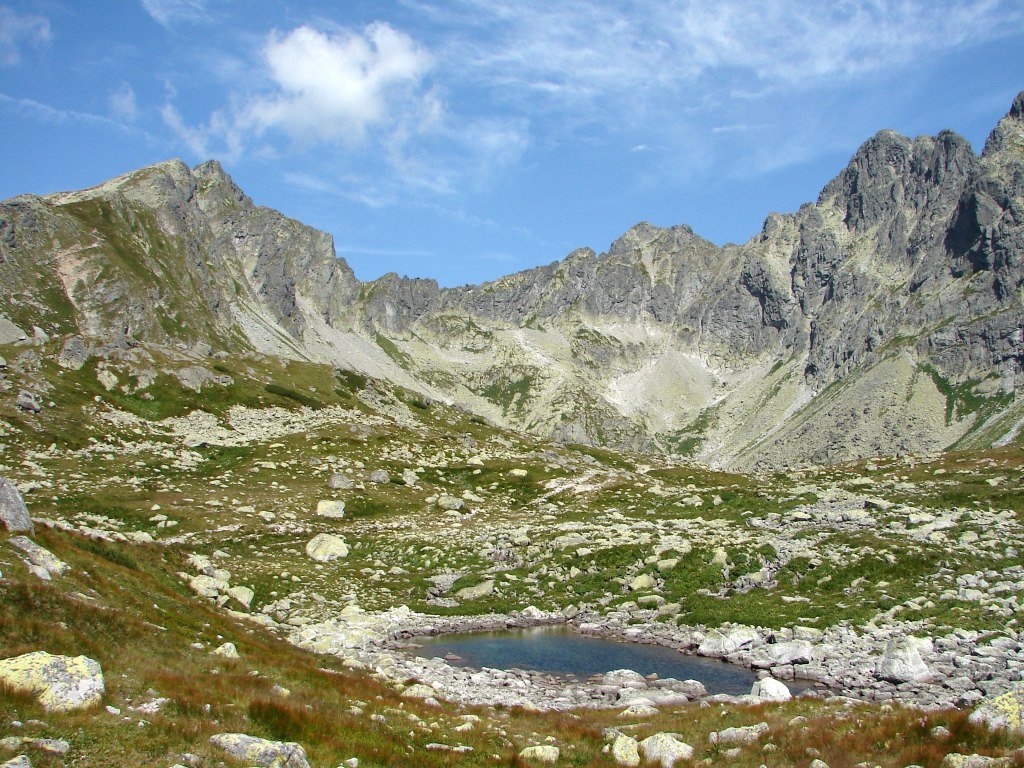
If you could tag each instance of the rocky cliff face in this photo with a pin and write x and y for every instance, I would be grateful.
(885, 317)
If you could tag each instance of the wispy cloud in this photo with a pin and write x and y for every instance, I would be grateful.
(578, 51)
(122, 104)
(169, 12)
(18, 31)
(46, 113)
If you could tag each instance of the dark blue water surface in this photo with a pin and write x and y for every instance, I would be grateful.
(562, 651)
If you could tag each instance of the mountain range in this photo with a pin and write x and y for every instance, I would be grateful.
(885, 317)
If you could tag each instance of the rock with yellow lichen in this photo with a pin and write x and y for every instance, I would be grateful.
(1005, 711)
(60, 683)
(261, 752)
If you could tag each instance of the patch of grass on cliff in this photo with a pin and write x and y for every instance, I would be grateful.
(292, 394)
(510, 392)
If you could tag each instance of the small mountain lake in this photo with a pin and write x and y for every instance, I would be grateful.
(559, 650)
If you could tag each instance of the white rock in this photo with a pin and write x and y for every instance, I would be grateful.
(325, 547)
(717, 644)
(626, 751)
(450, 503)
(642, 583)
(241, 595)
(665, 749)
(770, 689)
(261, 752)
(541, 754)
(331, 508)
(902, 662)
(60, 683)
(40, 557)
(482, 589)
(228, 651)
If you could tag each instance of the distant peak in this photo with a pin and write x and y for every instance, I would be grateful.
(1009, 132)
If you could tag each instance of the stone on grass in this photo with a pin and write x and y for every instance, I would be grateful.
(626, 751)
(28, 401)
(40, 557)
(21, 761)
(331, 508)
(642, 583)
(228, 651)
(73, 355)
(261, 752)
(1002, 712)
(13, 512)
(770, 689)
(745, 734)
(956, 760)
(541, 754)
(380, 477)
(241, 595)
(60, 683)
(639, 711)
(339, 482)
(325, 547)
(418, 691)
(902, 662)
(450, 503)
(482, 589)
(665, 750)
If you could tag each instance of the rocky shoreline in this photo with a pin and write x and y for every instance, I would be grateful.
(879, 664)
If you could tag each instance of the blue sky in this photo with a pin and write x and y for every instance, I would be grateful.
(466, 139)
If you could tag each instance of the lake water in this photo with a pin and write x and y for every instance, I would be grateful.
(562, 651)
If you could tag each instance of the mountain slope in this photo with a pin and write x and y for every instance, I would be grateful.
(886, 317)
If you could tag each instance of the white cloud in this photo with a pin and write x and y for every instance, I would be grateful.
(334, 88)
(18, 30)
(342, 89)
(168, 12)
(122, 104)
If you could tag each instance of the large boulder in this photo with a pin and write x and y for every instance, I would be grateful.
(718, 644)
(13, 512)
(743, 734)
(642, 583)
(73, 355)
(665, 750)
(261, 752)
(331, 508)
(1005, 711)
(325, 547)
(626, 751)
(60, 683)
(902, 662)
(450, 503)
(783, 654)
(482, 589)
(770, 689)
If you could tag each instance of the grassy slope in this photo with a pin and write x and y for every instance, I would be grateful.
(123, 605)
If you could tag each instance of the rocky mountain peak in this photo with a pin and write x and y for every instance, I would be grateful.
(1008, 135)
(217, 190)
